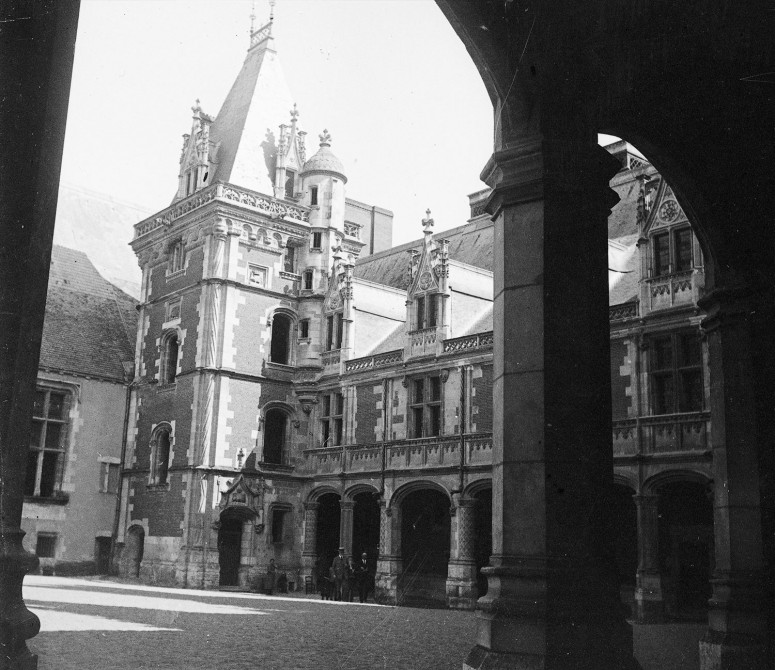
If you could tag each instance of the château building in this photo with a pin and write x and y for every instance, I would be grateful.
(301, 385)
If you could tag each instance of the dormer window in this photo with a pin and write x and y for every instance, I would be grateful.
(191, 181)
(426, 311)
(335, 330)
(290, 183)
(672, 252)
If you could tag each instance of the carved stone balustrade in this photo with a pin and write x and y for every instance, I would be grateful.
(419, 454)
(469, 343)
(666, 433)
(675, 290)
(227, 193)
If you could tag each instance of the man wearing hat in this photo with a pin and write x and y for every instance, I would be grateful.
(339, 568)
(362, 576)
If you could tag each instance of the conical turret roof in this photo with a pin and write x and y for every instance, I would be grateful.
(325, 160)
(244, 132)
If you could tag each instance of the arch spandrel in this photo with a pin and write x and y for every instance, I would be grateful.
(421, 485)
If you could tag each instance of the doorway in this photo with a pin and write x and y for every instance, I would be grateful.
(229, 551)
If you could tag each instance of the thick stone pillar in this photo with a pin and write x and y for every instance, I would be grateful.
(553, 597)
(309, 554)
(37, 40)
(346, 526)
(649, 601)
(461, 573)
(738, 632)
(389, 560)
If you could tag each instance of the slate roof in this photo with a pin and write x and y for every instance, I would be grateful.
(470, 244)
(244, 129)
(90, 324)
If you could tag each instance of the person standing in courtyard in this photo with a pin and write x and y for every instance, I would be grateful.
(362, 577)
(339, 568)
(271, 577)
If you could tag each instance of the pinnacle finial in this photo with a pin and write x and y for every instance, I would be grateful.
(252, 17)
(271, 10)
(427, 222)
(294, 114)
(325, 138)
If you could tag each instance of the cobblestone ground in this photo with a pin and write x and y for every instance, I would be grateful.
(99, 625)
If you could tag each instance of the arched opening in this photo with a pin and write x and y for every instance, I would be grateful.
(161, 457)
(366, 522)
(624, 530)
(170, 358)
(229, 550)
(133, 551)
(281, 338)
(685, 548)
(327, 532)
(425, 528)
(275, 429)
(482, 536)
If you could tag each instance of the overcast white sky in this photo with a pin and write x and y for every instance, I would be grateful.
(407, 110)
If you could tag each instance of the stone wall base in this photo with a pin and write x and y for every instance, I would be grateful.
(731, 654)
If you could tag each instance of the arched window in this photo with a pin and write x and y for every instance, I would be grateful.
(169, 364)
(281, 339)
(160, 455)
(275, 429)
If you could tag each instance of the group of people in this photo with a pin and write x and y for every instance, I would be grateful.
(344, 578)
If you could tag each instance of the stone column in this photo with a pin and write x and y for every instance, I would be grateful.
(738, 629)
(346, 526)
(37, 41)
(309, 554)
(461, 573)
(389, 560)
(553, 597)
(649, 601)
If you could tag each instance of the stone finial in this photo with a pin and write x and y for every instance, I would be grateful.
(294, 114)
(272, 3)
(197, 108)
(427, 222)
(252, 17)
(325, 138)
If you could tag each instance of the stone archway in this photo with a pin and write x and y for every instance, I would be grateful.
(425, 547)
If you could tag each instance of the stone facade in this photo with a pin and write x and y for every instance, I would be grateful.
(299, 388)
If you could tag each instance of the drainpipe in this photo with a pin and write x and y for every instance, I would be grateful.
(462, 425)
(385, 408)
(128, 369)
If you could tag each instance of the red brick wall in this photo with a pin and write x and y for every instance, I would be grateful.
(481, 403)
(369, 416)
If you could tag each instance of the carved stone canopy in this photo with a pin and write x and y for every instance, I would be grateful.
(244, 494)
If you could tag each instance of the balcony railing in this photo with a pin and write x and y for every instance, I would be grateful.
(423, 342)
(416, 454)
(673, 290)
(628, 310)
(377, 361)
(662, 434)
(469, 343)
(220, 191)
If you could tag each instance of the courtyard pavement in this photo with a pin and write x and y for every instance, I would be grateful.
(102, 625)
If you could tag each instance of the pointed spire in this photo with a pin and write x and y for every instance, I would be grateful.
(263, 33)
